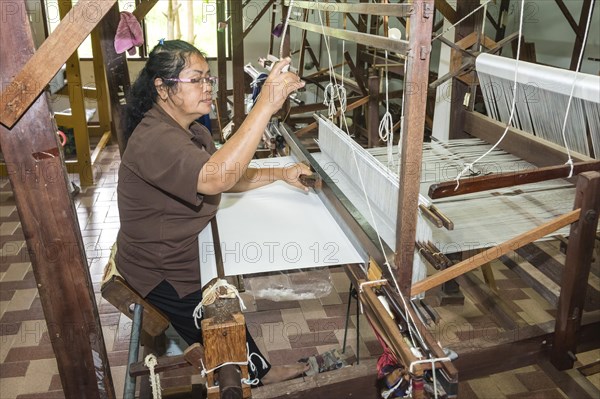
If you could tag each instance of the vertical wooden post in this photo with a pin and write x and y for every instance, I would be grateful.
(236, 28)
(459, 88)
(39, 180)
(117, 72)
(373, 109)
(577, 269)
(78, 118)
(416, 78)
(221, 66)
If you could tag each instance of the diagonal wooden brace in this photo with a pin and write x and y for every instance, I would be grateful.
(31, 80)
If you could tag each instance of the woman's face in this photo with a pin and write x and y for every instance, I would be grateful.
(192, 100)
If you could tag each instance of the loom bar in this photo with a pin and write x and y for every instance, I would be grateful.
(501, 180)
(392, 10)
(24, 88)
(383, 43)
(494, 252)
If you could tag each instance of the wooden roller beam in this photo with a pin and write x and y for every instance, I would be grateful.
(501, 180)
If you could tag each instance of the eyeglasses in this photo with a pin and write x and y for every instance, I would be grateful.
(212, 80)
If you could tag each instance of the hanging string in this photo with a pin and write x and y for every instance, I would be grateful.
(460, 20)
(564, 125)
(150, 361)
(211, 294)
(285, 27)
(386, 125)
(333, 90)
(468, 167)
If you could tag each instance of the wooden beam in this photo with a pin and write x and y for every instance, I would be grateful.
(417, 75)
(446, 10)
(221, 69)
(567, 14)
(37, 174)
(356, 73)
(357, 381)
(580, 33)
(501, 180)
(18, 95)
(384, 43)
(143, 8)
(258, 17)
(524, 145)
(494, 252)
(577, 270)
(381, 9)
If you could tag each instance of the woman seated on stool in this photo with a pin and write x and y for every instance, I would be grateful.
(171, 178)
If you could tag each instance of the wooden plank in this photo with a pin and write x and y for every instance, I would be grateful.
(446, 10)
(30, 81)
(355, 72)
(49, 220)
(143, 7)
(258, 17)
(384, 43)
(381, 9)
(501, 180)
(494, 252)
(526, 146)
(577, 269)
(417, 74)
(357, 381)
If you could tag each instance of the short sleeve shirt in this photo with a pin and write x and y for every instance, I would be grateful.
(160, 210)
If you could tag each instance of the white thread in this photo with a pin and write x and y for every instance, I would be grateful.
(386, 125)
(211, 294)
(284, 30)
(564, 126)
(150, 361)
(512, 108)
(333, 90)
(460, 20)
(432, 361)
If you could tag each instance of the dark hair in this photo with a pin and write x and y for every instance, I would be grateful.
(166, 60)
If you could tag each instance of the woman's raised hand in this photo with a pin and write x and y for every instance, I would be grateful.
(278, 86)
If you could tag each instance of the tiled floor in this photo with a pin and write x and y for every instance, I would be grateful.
(284, 330)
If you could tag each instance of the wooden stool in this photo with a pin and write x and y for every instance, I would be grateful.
(119, 293)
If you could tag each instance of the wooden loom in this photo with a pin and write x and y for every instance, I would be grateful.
(62, 225)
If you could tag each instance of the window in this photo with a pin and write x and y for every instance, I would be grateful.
(189, 20)
(192, 21)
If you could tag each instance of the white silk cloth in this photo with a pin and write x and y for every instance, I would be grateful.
(273, 228)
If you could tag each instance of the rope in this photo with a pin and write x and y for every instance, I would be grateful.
(255, 381)
(564, 126)
(211, 295)
(469, 166)
(151, 362)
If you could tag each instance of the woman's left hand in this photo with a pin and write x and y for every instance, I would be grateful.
(291, 175)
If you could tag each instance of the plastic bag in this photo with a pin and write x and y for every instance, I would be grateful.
(290, 285)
